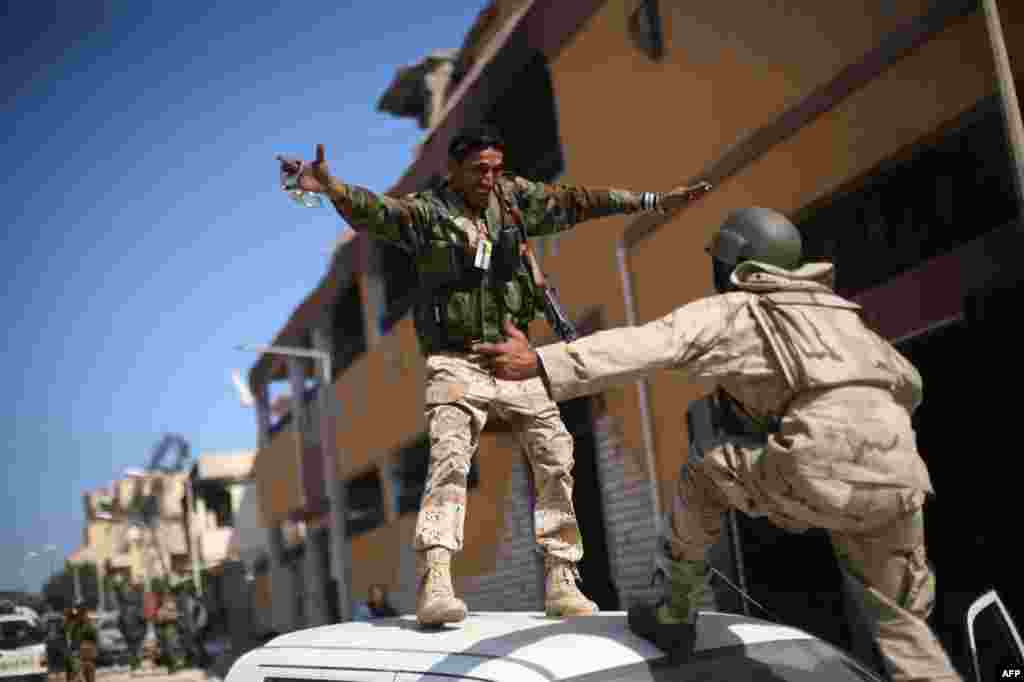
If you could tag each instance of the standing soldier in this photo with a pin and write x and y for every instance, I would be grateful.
(131, 620)
(813, 430)
(81, 638)
(467, 238)
(167, 632)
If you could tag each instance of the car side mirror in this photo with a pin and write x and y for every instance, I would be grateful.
(997, 652)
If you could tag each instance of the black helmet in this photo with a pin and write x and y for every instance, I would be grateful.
(758, 234)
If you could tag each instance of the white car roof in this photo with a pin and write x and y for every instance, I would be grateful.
(16, 617)
(489, 645)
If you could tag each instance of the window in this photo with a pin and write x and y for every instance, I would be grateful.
(526, 116)
(645, 30)
(365, 504)
(409, 475)
(348, 329)
(939, 195)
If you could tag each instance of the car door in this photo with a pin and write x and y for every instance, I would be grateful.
(997, 652)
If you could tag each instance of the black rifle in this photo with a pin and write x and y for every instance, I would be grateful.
(553, 310)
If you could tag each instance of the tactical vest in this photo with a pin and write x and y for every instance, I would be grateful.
(460, 303)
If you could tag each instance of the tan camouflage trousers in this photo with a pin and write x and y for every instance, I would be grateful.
(460, 396)
(877, 534)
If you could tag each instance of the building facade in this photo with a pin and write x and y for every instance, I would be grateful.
(879, 128)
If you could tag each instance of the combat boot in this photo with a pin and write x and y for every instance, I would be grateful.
(436, 603)
(561, 596)
(671, 623)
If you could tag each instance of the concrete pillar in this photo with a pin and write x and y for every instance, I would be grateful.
(281, 618)
(338, 550)
(315, 581)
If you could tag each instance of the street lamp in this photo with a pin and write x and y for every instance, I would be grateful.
(335, 494)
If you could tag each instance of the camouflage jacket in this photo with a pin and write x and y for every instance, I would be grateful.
(436, 225)
(77, 632)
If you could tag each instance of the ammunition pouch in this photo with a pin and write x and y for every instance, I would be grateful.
(507, 258)
(441, 266)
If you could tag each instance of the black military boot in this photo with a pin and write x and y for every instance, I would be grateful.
(671, 623)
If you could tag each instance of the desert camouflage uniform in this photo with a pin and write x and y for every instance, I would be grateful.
(460, 392)
(843, 456)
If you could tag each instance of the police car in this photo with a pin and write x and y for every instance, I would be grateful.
(529, 647)
(22, 647)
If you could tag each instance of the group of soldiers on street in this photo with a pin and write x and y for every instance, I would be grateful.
(812, 408)
(179, 625)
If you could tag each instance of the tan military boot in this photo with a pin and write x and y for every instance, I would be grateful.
(561, 596)
(436, 603)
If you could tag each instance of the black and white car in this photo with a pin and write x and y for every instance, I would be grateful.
(22, 649)
(529, 647)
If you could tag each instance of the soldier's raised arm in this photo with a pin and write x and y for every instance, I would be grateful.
(551, 208)
(380, 216)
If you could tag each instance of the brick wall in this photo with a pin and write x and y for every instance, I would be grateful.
(628, 516)
(517, 582)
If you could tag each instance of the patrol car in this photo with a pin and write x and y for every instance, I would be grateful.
(22, 648)
(530, 647)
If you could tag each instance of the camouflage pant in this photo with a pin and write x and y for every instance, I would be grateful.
(460, 395)
(877, 534)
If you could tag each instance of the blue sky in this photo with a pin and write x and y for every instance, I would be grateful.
(144, 232)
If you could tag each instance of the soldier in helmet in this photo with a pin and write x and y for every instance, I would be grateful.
(811, 413)
(467, 239)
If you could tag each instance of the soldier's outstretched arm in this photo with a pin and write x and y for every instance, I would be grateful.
(692, 339)
(548, 208)
(382, 217)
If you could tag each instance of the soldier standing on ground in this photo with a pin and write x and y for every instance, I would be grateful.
(466, 238)
(81, 644)
(813, 411)
(132, 621)
(167, 633)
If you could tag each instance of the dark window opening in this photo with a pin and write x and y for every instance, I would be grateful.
(967, 529)
(217, 498)
(941, 194)
(526, 115)
(365, 504)
(349, 331)
(409, 475)
(645, 29)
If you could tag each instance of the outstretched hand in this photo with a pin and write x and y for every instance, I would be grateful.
(512, 359)
(681, 196)
(313, 177)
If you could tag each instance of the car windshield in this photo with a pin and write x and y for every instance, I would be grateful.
(17, 633)
(790, 661)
